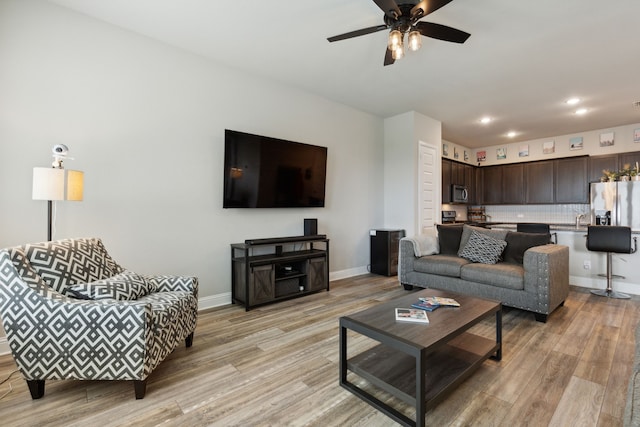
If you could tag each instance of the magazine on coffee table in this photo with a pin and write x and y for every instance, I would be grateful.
(411, 315)
(445, 302)
(431, 303)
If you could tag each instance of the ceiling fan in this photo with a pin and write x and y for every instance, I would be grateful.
(405, 19)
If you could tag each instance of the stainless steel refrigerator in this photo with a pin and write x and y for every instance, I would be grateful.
(616, 203)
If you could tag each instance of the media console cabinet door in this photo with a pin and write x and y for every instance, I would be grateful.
(261, 284)
(317, 273)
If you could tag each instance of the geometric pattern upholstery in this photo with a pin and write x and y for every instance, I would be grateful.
(483, 249)
(52, 336)
(124, 286)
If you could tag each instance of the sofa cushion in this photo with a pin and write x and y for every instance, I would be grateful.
(124, 286)
(518, 243)
(466, 233)
(483, 249)
(442, 265)
(449, 239)
(510, 276)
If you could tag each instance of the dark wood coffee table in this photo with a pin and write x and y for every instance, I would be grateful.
(427, 360)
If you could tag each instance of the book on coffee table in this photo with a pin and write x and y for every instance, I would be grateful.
(425, 305)
(431, 303)
(411, 315)
(440, 301)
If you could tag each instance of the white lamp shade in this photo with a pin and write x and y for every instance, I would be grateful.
(48, 184)
(57, 184)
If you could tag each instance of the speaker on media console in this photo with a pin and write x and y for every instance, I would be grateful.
(310, 226)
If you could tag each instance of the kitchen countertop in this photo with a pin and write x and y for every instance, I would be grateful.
(553, 227)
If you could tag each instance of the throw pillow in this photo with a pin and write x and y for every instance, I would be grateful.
(482, 248)
(518, 243)
(467, 229)
(124, 286)
(449, 239)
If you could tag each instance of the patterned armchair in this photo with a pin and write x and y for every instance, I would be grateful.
(71, 312)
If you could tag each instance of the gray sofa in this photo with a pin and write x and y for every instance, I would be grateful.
(529, 274)
(71, 312)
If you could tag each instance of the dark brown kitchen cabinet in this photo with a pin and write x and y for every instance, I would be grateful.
(571, 182)
(597, 164)
(539, 182)
(446, 181)
(457, 173)
(470, 183)
(492, 185)
(629, 159)
(513, 184)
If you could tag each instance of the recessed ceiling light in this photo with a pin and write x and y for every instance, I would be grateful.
(485, 120)
(511, 134)
(572, 101)
(581, 111)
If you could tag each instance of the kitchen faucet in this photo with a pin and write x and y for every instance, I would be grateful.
(578, 218)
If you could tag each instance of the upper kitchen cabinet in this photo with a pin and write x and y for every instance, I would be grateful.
(513, 184)
(456, 173)
(470, 183)
(629, 159)
(446, 181)
(571, 182)
(599, 163)
(539, 182)
(492, 185)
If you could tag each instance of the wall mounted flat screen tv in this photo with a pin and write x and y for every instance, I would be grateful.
(264, 172)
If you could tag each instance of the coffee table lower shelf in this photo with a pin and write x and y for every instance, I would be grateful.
(395, 372)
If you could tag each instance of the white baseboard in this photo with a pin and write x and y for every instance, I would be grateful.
(601, 283)
(214, 301)
(343, 274)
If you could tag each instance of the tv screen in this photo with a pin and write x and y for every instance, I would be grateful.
(264, 172)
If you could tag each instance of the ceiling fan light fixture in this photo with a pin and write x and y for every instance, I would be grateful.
(415, 40)
(395, 40)
(398, 52)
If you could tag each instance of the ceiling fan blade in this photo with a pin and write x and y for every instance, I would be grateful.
(442, 32)
(357, 33)
(389, 7)
(388, 57)
(427, 6)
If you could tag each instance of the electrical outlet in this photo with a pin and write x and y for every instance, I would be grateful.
(586, 264)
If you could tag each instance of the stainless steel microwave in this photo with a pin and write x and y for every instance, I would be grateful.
(459, 194)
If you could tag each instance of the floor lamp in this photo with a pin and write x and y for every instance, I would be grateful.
(56, 183)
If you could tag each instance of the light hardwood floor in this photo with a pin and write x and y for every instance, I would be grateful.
(278, 365)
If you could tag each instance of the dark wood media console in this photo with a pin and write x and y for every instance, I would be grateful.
(268, 270)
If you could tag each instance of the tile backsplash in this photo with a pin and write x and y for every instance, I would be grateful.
(552, 214)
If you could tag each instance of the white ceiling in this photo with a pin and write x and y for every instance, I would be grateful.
(522, 61)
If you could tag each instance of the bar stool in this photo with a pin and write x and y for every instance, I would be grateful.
(610, 239)
(537, 228)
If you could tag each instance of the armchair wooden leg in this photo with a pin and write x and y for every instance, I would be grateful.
(140, 387)
(36, 388)
(189, 340)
